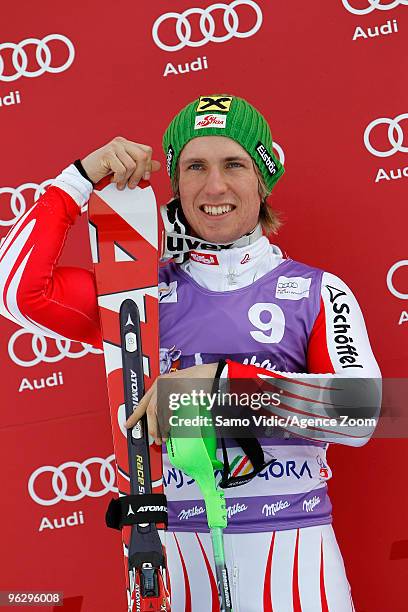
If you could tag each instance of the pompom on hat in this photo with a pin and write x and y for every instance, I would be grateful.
(224, 115)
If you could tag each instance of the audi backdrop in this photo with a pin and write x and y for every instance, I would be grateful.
(331, 79)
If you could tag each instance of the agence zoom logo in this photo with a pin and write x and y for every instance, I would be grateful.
(373, 5)
(395, 135)
(217, 23)
(53, 53)
(71, 481)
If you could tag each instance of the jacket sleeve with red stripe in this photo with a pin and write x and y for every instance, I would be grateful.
(35, 292)
(342, 382)
(59, 301)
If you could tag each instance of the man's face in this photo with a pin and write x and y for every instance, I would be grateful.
(218, 188)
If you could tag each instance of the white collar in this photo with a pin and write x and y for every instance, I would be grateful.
(232, 268)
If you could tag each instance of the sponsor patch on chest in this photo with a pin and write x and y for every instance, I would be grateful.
(292, 287)
(210, 120)
(168, 293)
(209, 259)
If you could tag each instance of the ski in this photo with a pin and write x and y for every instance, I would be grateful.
(123, 233)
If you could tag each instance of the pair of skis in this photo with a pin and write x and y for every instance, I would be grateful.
(123, 229)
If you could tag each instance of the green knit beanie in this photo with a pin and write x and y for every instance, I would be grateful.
(224, 115)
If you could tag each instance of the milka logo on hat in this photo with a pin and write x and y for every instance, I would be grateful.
(169, 159)
(210, 121)
(214, 103)
(266, 158)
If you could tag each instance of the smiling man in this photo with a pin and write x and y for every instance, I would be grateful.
(230, 304)
(219, 188)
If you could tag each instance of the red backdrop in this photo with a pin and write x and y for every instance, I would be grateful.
(331, 79)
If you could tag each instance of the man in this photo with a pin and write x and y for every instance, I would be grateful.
(242, 301)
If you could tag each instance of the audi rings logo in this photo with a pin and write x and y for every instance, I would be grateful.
(64, 485)
(395, 135)
(39, 347)
(280, 152)
(43, 57)
(17, 201)
(207, 25)
(373, 4)
(390, 279)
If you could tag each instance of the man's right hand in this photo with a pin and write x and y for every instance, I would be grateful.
(128, 161)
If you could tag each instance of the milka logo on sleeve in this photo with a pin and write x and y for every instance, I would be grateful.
(168, 293)
(292, 288)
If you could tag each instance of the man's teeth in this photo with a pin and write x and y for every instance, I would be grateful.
(218, 210)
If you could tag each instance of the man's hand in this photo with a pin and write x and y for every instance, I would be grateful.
(128, 162)
(180, 381)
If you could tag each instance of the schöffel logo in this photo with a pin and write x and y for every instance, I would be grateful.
(344, 344)
(292, 287)
(210, 121)
(266, 158)
(373, 5)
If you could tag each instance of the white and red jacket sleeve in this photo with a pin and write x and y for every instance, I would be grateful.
(35, 292)
(59, 301)
(342, 382)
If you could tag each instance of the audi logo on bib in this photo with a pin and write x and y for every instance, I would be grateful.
(217, 23)
(39, 348)
(19, 61)
(373, 5)
(17, 203)
(71, 481)
(395, 135)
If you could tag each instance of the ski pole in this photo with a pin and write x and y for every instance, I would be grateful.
(217, 540)
(195, 454)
